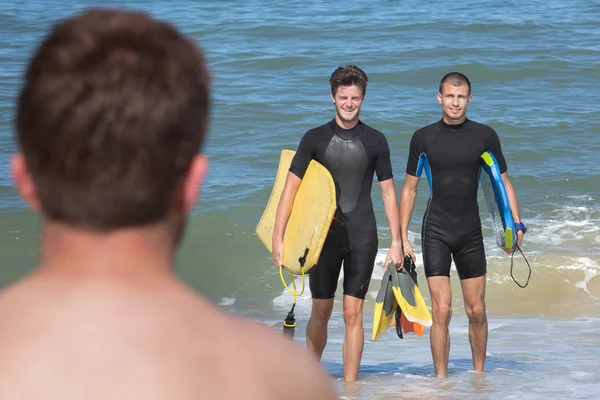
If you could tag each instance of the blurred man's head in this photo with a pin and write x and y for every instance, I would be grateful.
(110, 121)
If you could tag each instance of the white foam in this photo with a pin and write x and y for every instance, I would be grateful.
(591, 270)
(493, 326)
(582, 197)
(286, 298)
(578, 223)
(582, 264)
(379, 268)
(580, 374)
(575, 225)
(226, 301)
(499, 279)
(460, 326)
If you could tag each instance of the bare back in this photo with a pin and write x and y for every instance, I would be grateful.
(110, 123)
(153, 339)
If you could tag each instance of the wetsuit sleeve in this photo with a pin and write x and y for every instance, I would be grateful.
(493, 145)
(383, 167)
(414, 153)
(303, 156)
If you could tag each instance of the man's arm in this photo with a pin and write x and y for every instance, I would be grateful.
(284, 210)
(407, 204)
(390, 205)
(514, 204)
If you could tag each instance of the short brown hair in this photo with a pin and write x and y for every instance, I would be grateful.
(113, 109)
(456, 79)
(348, 76)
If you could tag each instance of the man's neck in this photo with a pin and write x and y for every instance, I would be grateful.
(346, 124)
(135, 251)
(449, 121)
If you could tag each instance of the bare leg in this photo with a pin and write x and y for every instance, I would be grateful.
(316, 329)
(474, 295)
(355, 337)
(441, 302)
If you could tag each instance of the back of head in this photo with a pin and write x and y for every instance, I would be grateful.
(349, 75)
(113, 109)
(455, 79)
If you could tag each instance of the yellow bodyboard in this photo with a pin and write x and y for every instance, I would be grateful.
(312, 212)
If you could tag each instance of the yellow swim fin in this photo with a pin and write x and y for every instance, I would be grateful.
(407, 294)
(385, 307)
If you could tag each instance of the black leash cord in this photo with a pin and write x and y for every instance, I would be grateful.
(511, 266)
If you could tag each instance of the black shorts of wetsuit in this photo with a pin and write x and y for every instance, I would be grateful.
(358, 266)
(466, 248)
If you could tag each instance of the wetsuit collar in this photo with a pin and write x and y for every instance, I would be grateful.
(459, 126)
(345, 133)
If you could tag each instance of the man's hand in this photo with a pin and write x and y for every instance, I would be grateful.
(408, 251)
(519, 241)
(394, 254)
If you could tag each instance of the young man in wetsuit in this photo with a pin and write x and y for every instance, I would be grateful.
(110, 121)
(449, 150)
(352, 152)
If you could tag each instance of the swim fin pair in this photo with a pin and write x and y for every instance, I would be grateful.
(400, 303)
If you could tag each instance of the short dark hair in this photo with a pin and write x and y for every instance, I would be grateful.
(348, 76)
(456, 79)
(113, 109)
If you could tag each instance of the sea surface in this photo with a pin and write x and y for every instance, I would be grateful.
(535, 70)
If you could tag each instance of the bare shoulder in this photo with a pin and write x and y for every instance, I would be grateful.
(257, 355)
(289, 367)
(165, 331)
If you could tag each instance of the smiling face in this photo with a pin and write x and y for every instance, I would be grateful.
(454, 101)
(347, 100)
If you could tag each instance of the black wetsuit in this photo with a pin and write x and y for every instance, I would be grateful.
(352, 157)
(450, 155)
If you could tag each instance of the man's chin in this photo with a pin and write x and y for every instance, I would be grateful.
(347, 118)
(455, 117)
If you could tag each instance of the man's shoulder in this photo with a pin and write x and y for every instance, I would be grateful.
(253, 336)
(373, 135)
(316, 136)
(370, 129)
(319, 129)
(480, 127)
(427, 130)
(265, 340)
(271, 356)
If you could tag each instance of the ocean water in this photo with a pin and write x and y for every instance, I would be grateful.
(535, 68)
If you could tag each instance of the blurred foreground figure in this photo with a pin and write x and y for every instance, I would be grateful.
(110, 121)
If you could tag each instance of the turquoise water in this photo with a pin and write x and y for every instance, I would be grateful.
(535, 69)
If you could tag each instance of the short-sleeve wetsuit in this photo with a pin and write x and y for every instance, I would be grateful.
(352, 156)
(450, 156)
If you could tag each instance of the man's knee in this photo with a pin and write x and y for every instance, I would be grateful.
(353, 311)
(321, 310)
(442, 314)
(352, 316)
(476, 313)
